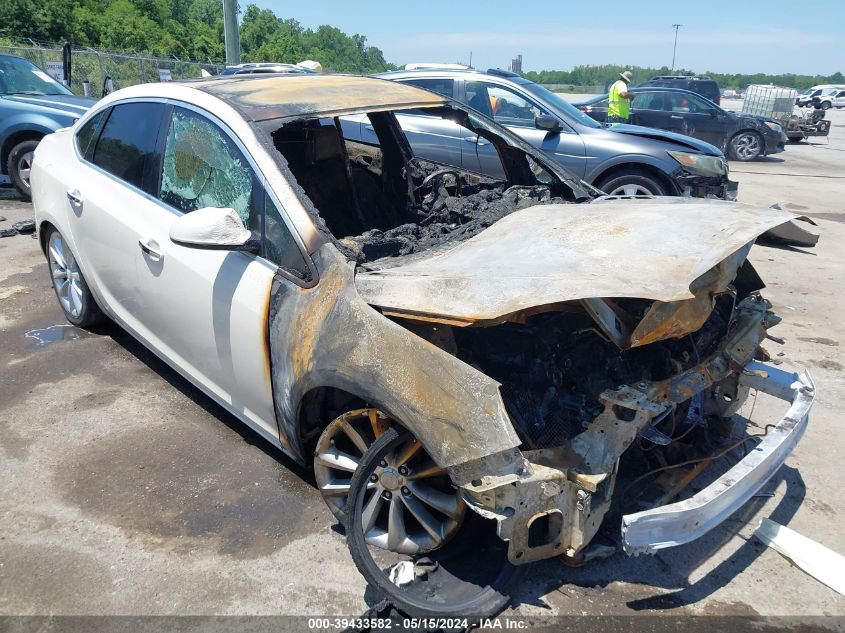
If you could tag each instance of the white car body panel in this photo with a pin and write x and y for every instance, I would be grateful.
(204, 312)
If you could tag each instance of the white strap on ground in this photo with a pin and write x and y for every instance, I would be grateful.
(820, 562)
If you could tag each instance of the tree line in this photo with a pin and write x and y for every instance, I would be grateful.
(193, 29)
(603, 75)
(186, 29)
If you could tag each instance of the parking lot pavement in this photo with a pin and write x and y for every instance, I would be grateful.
(126, 491)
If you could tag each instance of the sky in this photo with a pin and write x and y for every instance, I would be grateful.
(739, 36)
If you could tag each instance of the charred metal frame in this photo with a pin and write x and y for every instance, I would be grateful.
(574, 483)
(328, 336)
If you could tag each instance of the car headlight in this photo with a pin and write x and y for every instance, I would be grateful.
(701, 164)
(773, 126)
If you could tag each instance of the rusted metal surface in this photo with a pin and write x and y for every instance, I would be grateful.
(327, 336)
(676, 483)
(679, 318)
(650, 249)
(577, 479)
(263, 98)
(598, 448)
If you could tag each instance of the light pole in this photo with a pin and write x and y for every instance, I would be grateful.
(675, 47)
(230, 32)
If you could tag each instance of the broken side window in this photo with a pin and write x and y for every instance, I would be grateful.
(280, 246)
(202, 167)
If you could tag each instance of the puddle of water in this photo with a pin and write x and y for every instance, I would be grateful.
(53, 334)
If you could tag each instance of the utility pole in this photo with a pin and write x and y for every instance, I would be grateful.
(230, 32)
(675, 48)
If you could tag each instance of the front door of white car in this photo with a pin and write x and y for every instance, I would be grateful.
(206, 310)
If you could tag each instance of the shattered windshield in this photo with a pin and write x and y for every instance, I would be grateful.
(202, 168)
(20, 77)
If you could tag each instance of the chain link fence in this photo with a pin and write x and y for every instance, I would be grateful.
(125, 70)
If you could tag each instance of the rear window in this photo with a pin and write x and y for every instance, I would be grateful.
(127, 144)
(445, 87)
(86, 138)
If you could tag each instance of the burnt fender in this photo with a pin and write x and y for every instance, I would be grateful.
(327, 336)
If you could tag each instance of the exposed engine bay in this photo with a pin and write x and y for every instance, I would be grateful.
(600, 389)
(554, 367)
(592, 411)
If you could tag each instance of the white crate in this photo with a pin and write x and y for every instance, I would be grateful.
(771, 101)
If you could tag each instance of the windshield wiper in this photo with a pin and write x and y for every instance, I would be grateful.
(30, 92)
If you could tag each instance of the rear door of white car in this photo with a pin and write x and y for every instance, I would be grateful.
(207, 310)
(109, 202)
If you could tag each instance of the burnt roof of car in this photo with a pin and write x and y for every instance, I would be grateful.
(263, 97)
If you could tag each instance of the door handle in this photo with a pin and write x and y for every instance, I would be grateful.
(675, 116)
(150, 247)
(481, 142)
(75, 198)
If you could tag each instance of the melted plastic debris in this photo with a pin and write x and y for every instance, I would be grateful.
(444, 218)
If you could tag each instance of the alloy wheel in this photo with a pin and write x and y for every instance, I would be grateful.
(410, 506)
(339, 450)
(631, 189)
(25, 167)
(747, 146)
(66, 276)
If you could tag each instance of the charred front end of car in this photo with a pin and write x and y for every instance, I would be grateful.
(560, 358)
(606, 393)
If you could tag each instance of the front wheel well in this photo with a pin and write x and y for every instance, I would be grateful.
(641, 168)
(42, 234)
(318, 408)
(14, 139)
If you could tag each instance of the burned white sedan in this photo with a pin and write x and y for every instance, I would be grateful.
(483, 372)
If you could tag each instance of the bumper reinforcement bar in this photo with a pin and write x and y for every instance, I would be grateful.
(687, 520)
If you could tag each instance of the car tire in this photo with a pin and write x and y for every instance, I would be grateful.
(492, 594)
(825, 105)
(352, 432)
(18, 166)
(631, 183)
(746, 145)
(74, 296)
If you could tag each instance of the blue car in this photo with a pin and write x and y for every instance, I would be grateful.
(32, 105)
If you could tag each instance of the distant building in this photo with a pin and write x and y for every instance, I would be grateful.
(516, 64)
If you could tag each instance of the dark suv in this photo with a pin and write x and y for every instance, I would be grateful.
(703, 85)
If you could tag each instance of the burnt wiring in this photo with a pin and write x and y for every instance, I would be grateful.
(697, 460)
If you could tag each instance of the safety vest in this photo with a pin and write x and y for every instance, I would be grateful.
(616, 105)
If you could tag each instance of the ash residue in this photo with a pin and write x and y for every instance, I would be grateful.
(447, 218)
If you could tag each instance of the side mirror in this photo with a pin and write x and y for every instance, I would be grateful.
(213, 228)
(548, 123)
(713, 112)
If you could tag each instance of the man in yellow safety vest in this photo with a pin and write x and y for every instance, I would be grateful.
(618, 99)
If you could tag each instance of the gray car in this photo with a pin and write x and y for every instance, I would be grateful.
(619, 160)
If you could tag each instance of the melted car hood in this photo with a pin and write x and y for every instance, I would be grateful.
(642, 248)
(670, 137)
